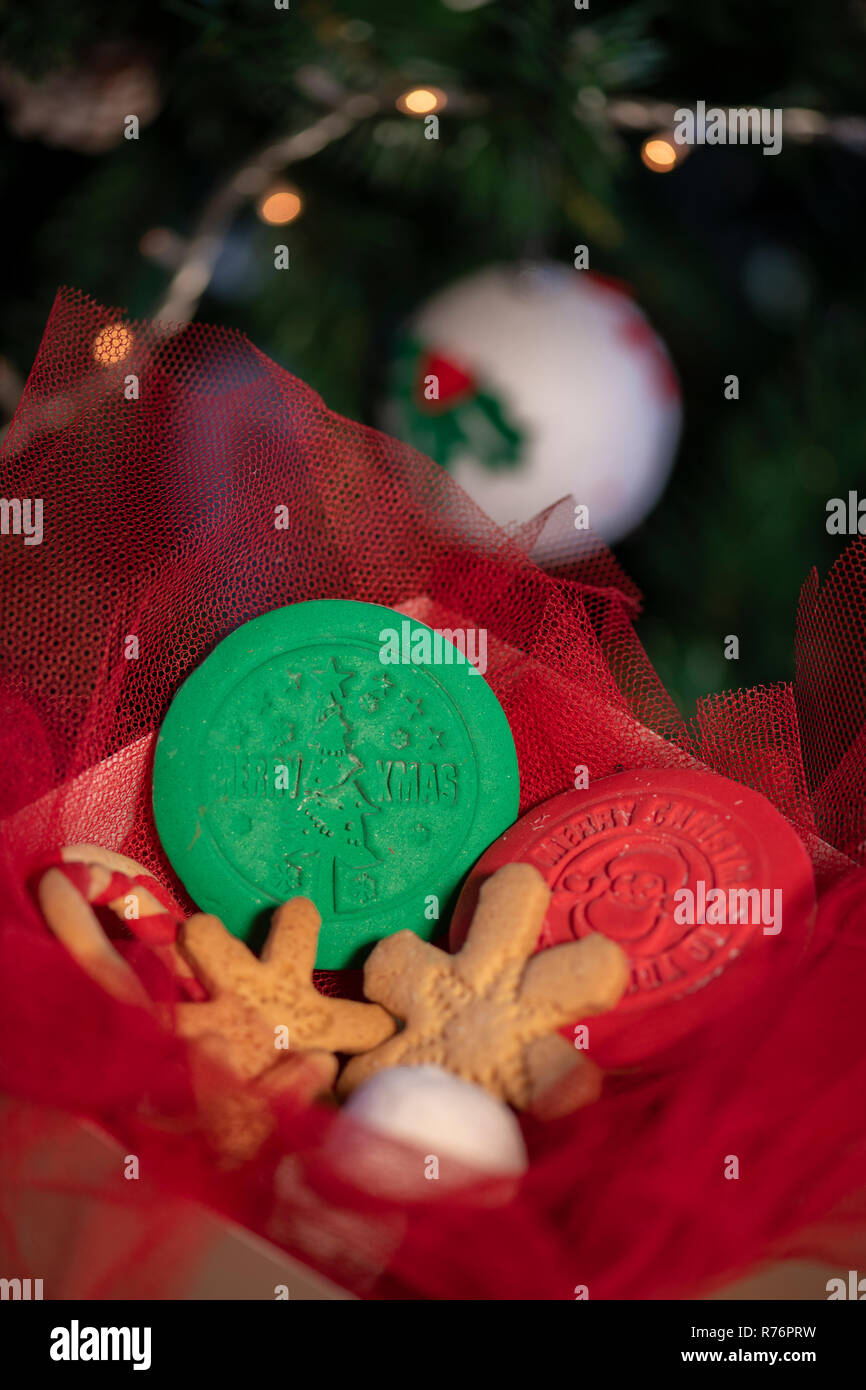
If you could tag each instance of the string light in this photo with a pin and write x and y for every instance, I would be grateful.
(279, 205)
(203, 248)
(660, 154)
(799, 123)
(421, 101)
(112, 344)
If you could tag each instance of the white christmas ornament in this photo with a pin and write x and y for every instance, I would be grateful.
(530, 383)
(457, 1133)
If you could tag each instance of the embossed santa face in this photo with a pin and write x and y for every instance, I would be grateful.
(618, 856)
(626, 892)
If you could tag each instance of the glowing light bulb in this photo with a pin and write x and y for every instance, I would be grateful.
(420, 101)
(660, 154)
(279, 206)
(112, 344)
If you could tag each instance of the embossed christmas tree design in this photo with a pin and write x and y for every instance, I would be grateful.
(329, 797)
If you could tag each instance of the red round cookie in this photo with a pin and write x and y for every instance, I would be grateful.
(618, 857)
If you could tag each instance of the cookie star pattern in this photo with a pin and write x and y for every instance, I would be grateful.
(251, 998)
(490, 1013)
(237, 1071)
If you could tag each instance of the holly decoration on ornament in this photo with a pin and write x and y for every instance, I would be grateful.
(445, 410)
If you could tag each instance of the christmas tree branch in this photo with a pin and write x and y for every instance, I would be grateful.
(196, 266)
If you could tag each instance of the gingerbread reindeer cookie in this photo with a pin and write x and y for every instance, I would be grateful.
(258, 1028)
(490, 1013)
(252, 998)
(267, 1023)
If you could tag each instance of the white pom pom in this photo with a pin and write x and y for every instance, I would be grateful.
(455, 1134)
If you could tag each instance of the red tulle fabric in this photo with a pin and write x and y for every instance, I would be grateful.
(159, 524)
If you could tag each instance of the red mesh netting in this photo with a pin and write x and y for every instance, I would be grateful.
(159, 523)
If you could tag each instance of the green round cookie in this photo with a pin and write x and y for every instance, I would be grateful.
(337, 750)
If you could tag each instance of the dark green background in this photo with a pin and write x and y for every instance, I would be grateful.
(515, 173)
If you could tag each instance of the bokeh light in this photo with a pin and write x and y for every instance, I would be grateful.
(660, 154)
(280, 205)
(421, 101)
(112, 344)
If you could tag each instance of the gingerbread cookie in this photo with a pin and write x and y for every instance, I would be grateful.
(236, 1068)
(235, 1113)
(489, 1013)
(252, 998)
